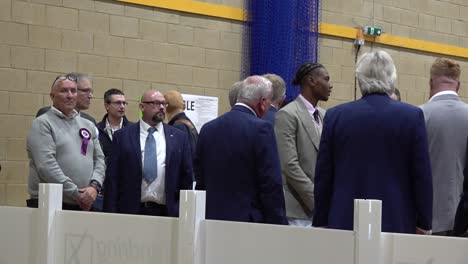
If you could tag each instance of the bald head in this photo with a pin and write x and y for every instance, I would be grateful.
(153, 107)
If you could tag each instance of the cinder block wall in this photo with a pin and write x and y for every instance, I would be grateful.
(440, 21)
(135, 48)
(123, 46)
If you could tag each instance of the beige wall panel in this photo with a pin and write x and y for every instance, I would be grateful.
(16, 194)
(21, 125)
(134, 89)
(25, 103)
(28, 13)
(4, 105)
(205, 77)
(61, 17)
(123, 68)
(192, 56)
(108, 45)
(207, 38)
(151, 71)
(13, 80)
(93, 64)
(5, 56)
(61, 61)
(13, 33)
(154, 31)
(124, 26)
(101, 85)
(40, 82)
(228, 78)
(165, 52)
(199, 21)
(138, 49)
(178, 74)
(81, 4)
(177, 34)
(93, 22)
(16, 151)
(45, 37)
(27, 58)
(5, 10)
(138, 11)
(167, 16)
(109, 7)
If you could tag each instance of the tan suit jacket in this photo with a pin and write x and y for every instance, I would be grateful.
(298, 141)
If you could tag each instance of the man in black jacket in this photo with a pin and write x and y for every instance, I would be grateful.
(115, 104)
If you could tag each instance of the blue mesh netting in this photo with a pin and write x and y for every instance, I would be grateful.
(280, 36)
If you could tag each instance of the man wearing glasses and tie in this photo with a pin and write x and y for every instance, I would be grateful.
(115, 119)
(150, 163)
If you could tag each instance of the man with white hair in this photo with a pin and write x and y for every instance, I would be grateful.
(374, 148)
(279, 93)
(237, 161)
(447, 131)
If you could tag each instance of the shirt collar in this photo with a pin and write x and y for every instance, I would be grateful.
(109, 126)
(73, 114)
(144, 126)
(242, 104)
(310, 107)
(442, 93)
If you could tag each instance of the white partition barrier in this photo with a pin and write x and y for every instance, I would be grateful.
(48, 235)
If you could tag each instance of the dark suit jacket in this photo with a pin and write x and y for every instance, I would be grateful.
(270, 115)
(104, 139)
(237, 164)
(461, 217)
(82, 114)
(192, 134)
(124, 173)
(374, 148)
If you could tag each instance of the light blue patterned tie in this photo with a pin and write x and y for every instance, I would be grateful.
(150, 163)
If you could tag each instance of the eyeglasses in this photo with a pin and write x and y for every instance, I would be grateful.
(156, 103)
(62, 77)
(86, 91)
(118, 103)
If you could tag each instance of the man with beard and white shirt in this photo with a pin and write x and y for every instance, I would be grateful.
(150, 163)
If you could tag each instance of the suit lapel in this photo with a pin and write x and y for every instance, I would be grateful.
(135, 142)
(169, 143)
(307, 122)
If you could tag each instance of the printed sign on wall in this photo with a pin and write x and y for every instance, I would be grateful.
(200, 109)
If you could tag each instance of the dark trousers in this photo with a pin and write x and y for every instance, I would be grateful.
(34, 203)
(152, 208)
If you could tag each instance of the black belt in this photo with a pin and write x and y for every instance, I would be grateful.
(152, 205)
(34, 203)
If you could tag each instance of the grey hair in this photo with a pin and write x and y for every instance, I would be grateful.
(234, 92)
(255, 87)
(376, 73)
(278, 85)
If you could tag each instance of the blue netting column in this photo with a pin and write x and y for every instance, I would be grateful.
(280, 36)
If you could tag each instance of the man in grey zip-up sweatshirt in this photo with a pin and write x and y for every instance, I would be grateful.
(64, 148)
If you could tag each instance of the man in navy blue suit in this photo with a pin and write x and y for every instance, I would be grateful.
(150, 163)
(237, 161)
(374, 148)
(279, 93)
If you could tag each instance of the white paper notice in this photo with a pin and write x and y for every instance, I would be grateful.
(200, 109)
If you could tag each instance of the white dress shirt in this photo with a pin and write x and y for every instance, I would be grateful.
(442, 93)
(155, 191)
